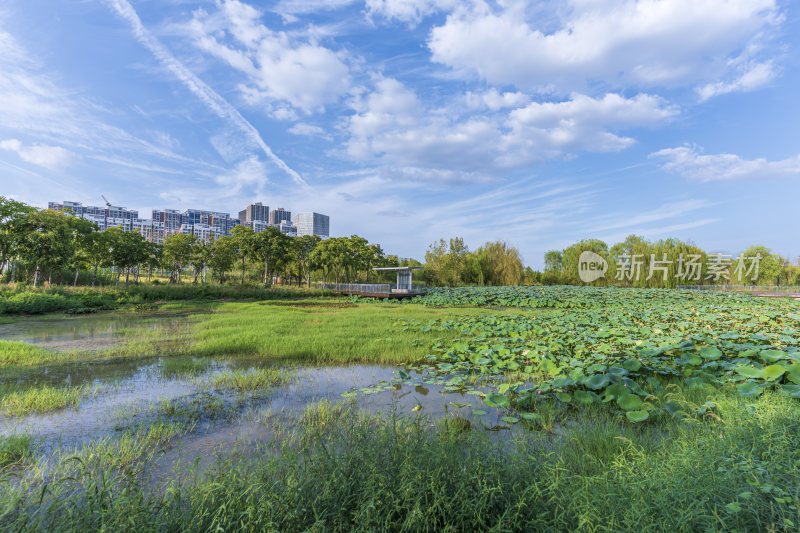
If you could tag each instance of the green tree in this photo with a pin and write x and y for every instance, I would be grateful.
(127, 249)
(770, 267)
(270, 247)
(303, 253)
(178, 252)
(97, 250)
(223, 255)
(504, 263)
(243, 237)
(82, 232)
(446, 260)
(12, 229)
(571, 255)
(47, 241)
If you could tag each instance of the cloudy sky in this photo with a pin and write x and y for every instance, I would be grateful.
(539, 123)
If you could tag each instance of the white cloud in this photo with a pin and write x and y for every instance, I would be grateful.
(410, 11)
(392, 125)
(206, 94)
(581, 123)
(278, 65)
(755, 75)
(309, 130)
(51, 157)
(618, 43)
(687, 162)
(494, 100)
(248, 173)
(288, 9)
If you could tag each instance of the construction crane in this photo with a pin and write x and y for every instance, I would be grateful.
(108, 210)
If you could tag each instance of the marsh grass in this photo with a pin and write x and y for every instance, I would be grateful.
(252, 379)
(15, 449)
(340, 469)
(14, 353)
(42, 399)
(320, 334)
(134, 447)
(177, 366)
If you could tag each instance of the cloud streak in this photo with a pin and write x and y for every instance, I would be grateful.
(687, 162)
(206, 94)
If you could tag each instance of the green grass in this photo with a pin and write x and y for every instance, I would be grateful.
(725, 462)
(41, 399)
(342, 470)
(27, 300)
(21, 353)
(319, 332)
(15, 449)
(251, 379)
(183, 366)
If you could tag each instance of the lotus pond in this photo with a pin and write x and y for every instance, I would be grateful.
(509, 408)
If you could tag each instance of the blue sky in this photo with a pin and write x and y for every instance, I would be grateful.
(539, 123)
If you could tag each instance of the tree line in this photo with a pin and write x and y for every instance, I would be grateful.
(673, 263)
(36, 245)
(46, 245)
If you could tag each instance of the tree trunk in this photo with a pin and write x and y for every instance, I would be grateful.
(75, 281)
(243, 271)
(36, 276)
(94, 274)
(13, 269)
(127, 276)
(119, 273)
(50, 277)
(266, 271)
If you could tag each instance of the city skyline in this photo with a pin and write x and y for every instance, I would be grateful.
(205, 224)
(560, 121)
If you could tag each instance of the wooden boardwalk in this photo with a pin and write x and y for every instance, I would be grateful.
(372, 290)
(774, 291)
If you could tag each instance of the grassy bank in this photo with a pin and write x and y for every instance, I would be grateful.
(42, 399)
(306, 331)
(26, 300)
(655, 411)
(320, 332)
(339, 470)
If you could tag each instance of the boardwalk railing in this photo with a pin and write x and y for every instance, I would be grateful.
(744, 288)
(366, 288)
(770, 291)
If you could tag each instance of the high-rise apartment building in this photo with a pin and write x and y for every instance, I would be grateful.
(287, 227)
(312, 224)
(256, 211)
(105, 217)
(276, 216)
(205, 224)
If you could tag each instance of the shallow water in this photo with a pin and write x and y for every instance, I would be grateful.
(128, 394)
(88, 332)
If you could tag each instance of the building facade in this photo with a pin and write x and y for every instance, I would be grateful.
(312, 224)
(253, 212)
(276, 216)
(207, 225)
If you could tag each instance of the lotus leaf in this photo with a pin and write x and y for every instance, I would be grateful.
(749, 389)
(749, 371)
(710, 352)
(629, 402)
(632, 365)
(773, 356)
(637, 416)
(598, 381)
(497, 400)
(773, 372)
